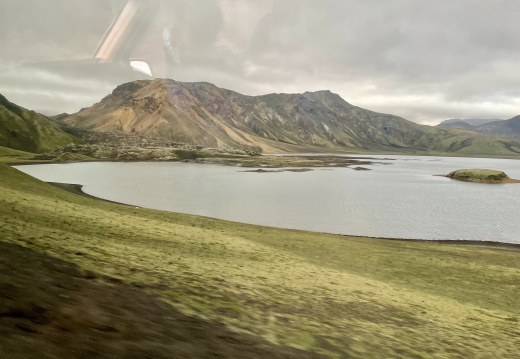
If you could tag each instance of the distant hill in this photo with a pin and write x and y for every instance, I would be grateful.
(28, 131)
(469, 121)
(503, 128)
(507, 128)
(203, 114)
(456, 124)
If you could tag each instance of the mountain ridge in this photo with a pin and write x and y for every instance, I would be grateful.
(190, 112)
(201, 113)
(506, 128)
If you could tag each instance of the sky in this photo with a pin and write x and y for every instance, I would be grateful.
(426, 61)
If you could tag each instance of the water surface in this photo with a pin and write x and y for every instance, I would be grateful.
(398, 198)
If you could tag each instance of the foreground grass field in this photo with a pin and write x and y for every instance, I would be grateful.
(345, 297)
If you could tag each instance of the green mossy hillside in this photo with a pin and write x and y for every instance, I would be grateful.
(28, 131)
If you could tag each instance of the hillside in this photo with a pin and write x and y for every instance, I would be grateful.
(456, 124)
(507, 128)
(28, 131)
(204, 114)
(469, 121)
(502, 128)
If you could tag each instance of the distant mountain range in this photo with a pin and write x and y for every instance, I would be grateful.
(504, 128)
(201, 113)
(507, 128)
(469, 121)
(28, 131)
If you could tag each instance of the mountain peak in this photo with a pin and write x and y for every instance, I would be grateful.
(201, 113)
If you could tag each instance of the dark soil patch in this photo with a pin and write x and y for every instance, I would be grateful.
(50, 308)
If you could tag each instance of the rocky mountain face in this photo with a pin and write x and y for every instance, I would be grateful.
(25, 130)
(203, 114)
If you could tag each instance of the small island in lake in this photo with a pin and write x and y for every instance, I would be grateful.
(481, 175)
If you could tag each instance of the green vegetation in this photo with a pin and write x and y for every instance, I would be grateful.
(28, 131)
(469, 143)
(338, 295)
(480, 175)
(8, 155)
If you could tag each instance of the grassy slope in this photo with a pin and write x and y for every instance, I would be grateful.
(367, 298)
(467, 143)
(28, 131)
(8, 155)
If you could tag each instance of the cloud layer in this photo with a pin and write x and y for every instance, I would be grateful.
(423, 60)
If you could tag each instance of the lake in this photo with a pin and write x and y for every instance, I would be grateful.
(398, 198)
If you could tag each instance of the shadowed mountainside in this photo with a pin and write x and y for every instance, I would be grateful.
(507, 128)
(25, 130)
(503, 128)
(469, 121)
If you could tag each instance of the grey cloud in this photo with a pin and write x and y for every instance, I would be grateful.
(459, 58)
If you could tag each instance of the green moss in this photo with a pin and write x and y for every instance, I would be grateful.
(28, 131)
(237, 310)
(478, 175)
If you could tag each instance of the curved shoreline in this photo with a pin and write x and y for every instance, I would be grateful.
(77, 189)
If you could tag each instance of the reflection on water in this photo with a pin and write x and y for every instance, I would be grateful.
(399, 200)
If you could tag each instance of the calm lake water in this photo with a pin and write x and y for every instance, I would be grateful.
(398, 198)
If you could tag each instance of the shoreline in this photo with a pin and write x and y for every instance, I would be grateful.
(515, 247)
(318, 153)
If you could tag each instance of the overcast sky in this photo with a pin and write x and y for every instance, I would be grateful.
(423, 60)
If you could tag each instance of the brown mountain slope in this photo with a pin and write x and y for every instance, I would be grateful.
(201, 113)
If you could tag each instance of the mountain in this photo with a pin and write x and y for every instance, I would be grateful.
(25, 130)
(456, 124)
(203, 114)
(469, 121)
(507, 128)
(503, 128)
